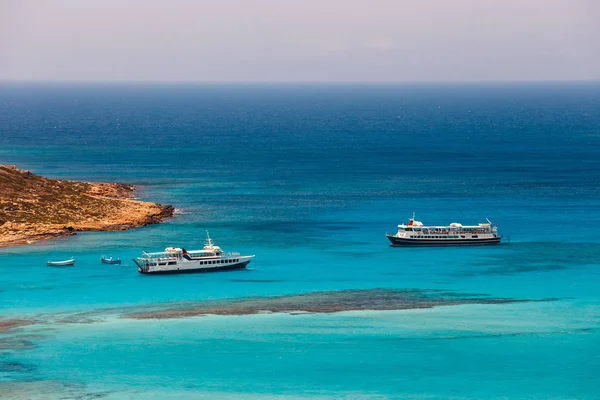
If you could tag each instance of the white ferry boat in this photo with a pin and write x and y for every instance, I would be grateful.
(416, 234)
(175, 260)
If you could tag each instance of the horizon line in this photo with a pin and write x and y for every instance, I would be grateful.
(286, 82)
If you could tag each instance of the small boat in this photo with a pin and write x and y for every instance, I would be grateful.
(65, 263)
(110, 260)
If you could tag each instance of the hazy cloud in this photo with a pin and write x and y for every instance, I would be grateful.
(300, 40)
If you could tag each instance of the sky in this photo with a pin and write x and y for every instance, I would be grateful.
(299, 40)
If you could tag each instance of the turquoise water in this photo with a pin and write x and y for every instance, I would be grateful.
(310, 178)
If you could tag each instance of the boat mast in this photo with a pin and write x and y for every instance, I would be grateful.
(209, 242)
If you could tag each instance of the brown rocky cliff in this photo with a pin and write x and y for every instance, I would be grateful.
(33, 207)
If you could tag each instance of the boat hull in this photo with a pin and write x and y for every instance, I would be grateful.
(403, 242)
(61, 263)
(110, 261)
(191, 270)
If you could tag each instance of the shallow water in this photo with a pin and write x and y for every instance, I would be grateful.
(310, 178)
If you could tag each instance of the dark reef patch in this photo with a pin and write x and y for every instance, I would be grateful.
(6, 324)
(326, 302)
(534, 257)
(16, 367)
(11, 343)
(47, 389)
(497, 335)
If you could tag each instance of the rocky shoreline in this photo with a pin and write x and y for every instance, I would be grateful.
(34, 208)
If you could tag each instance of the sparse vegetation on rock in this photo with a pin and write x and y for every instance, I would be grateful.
(34, 208)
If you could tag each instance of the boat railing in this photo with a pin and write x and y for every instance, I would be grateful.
(149, 257)
(152, 258)
(454, 231)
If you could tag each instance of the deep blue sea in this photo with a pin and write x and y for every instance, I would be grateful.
(309, 178)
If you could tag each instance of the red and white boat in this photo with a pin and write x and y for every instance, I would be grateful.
(416, 234)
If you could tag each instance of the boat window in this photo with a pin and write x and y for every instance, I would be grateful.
(475, 236)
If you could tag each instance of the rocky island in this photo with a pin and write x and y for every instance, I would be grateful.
(33, 208)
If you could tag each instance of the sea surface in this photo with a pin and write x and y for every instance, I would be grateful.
(309, 178)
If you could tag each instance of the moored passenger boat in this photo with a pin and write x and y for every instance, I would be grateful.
(175, 260)
(416, 234)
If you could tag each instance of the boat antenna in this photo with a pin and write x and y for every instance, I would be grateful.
(208, 239)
